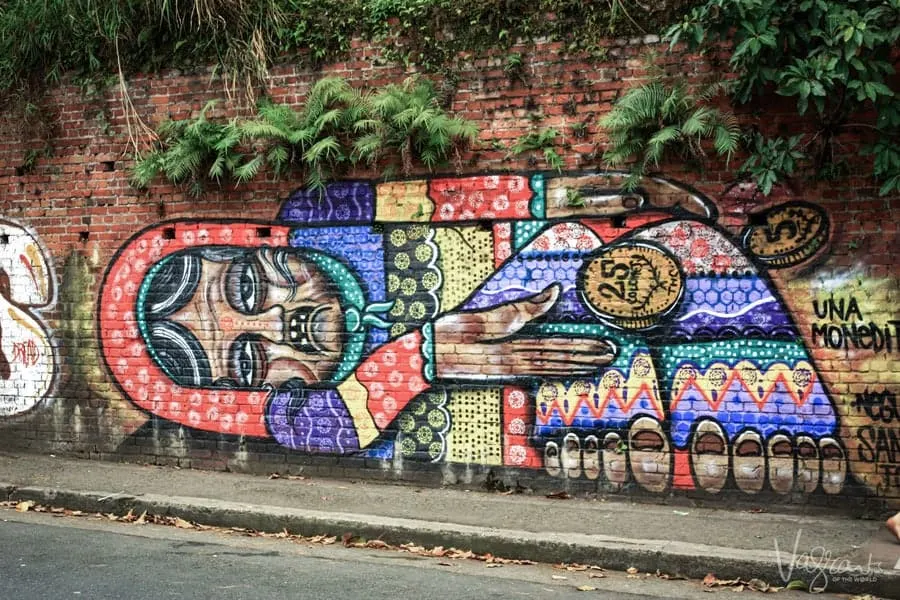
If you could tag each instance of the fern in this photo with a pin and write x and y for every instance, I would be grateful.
(652, 122)
(338, 126)
(543, 140)
(408, 121)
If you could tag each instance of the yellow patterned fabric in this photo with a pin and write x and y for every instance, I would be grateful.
(403, 201)
(475, 437)
(467, 259)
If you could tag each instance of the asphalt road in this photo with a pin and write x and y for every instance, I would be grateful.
(48, 557)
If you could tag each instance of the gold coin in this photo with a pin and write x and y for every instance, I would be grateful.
(632, 285)
(792, 233)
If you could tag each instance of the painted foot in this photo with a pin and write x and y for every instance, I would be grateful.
(893, 525)
(649, 454)
(778, 462)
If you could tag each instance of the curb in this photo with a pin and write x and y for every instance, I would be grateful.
(694, 561)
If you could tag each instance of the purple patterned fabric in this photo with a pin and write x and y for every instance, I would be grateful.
(729, 307)
(762, 321)
(526, 275)
(343, 202)
(321, 424)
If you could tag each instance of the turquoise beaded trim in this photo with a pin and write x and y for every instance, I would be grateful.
(538, 206)
(428, 352)
(141, 318)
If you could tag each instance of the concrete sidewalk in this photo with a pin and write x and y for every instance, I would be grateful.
(838, 552)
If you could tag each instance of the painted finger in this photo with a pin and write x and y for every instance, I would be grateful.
(510, 318)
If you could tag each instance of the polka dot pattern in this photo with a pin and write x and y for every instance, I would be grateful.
(413, 276)
(483, 197)
(517, 423)
(393, 376)
(423, 427)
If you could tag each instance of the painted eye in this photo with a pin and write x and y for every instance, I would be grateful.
(248, 361)
(244, 289)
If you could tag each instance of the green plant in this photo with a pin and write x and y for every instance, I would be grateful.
(318, 138)
(514, 67)
(579, 129)
(653, 121)
(543, 140)
(338, 126)
(772, 160)
(193, 151)
(408, 120)
(574, 198)
(835, 58)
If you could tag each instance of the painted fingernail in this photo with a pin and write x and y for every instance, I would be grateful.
(545, 295)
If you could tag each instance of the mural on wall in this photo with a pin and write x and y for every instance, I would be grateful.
(546, 322)
(851, 318)
(27, 287)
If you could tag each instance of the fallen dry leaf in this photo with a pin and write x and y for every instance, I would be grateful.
(586, 588)
(141, 519)
(493, 565)
(445, 564)
(182, 524)
(563, 495)
(669, 576)
(631, 570)
(558, 577)
(24, 506)
(571, 567)
(377, 544)
(596, 575)
(758, 585)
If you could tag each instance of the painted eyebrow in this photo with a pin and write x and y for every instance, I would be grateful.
(278, 264)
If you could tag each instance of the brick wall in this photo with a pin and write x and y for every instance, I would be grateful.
(456, 326)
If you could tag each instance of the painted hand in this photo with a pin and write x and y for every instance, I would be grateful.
(487, 344)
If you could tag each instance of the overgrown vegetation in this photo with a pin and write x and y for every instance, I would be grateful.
(337, 127)
(835, 58)
(42, 39)
(656, 122)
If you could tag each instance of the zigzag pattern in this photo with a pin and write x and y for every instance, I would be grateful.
(720, 379)
(612, 396)
(568, 410)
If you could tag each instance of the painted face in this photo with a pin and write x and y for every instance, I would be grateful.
(265, 318)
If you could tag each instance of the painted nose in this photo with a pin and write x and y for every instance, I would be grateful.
(268, 323)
